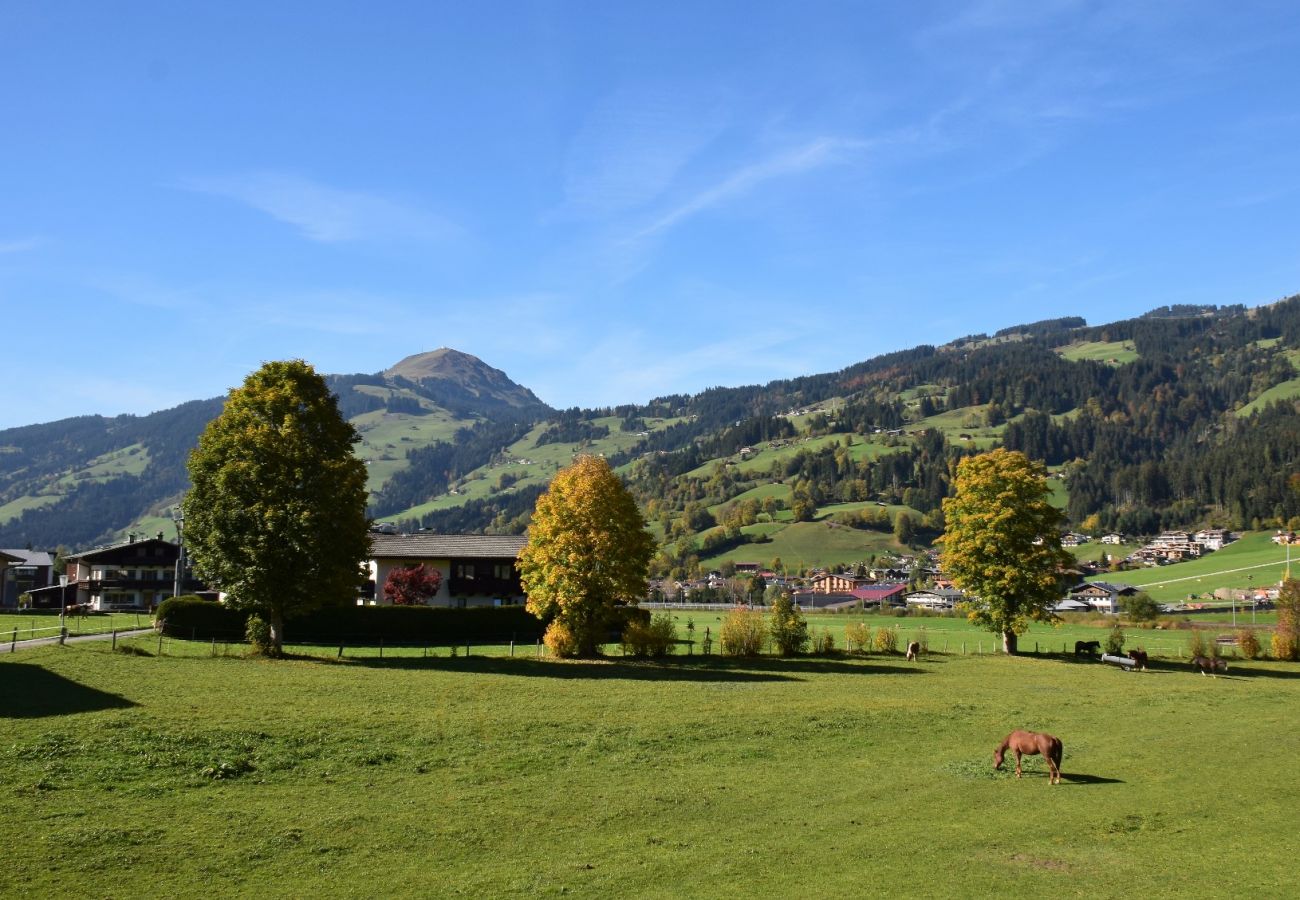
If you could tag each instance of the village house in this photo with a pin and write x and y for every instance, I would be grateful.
(1099, 596)
(880, 594)
(476, 569)
(1212, 538)
(1113, 538)
(138, 573)
(940, 599)
(23, 571)
(832, 583)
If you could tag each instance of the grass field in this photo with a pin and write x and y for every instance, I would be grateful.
(1287, 390)
(1114, 352)
(30, 626)
(130, 775)
(802, 544)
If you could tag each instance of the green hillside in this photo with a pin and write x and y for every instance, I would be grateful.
(1253, 561)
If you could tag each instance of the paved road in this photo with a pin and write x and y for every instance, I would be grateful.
(77, 639)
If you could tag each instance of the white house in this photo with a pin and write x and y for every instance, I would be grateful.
(476, 569)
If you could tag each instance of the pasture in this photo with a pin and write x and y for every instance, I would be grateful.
(1253, 561)
(135, 775)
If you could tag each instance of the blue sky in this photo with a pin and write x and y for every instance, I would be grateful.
(615, 201)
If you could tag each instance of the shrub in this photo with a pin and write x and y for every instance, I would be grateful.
(1140, 607)
(655, 639)
(194, 617)
(1115, 640)
(823, 643)
(258, 632)
(1196, 643)
(858, 636)
(788, 627)
(1212, 649)
(1248, 643)
(1285, 646)
(561, 641)
(886, 640)
(742, 633)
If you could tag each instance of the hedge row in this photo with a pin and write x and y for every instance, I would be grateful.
(192, 617)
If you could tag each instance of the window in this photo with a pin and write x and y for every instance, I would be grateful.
(464, 570)
(503, 571)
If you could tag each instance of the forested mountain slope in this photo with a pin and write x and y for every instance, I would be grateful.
(79, 481)
(1181, 417)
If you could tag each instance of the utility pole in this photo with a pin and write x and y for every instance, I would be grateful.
(179, 518)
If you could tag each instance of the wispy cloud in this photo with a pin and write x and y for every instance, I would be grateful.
(632, 147)
(812, 155)
(20, 245)
(324, 213)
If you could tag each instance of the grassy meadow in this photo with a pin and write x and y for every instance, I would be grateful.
(127, 774)
(1252, 561)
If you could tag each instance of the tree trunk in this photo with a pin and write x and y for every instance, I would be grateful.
(1009, 643)
(277, 633)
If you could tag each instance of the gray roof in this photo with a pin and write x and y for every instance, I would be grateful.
(28, 557)
(443, 546)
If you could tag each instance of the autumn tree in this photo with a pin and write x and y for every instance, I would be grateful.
(1286, 637)
(276, 517)
(588, 550)
(787, 625)
(1002, 542)
(412, 585)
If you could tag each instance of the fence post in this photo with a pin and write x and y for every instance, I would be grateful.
(63, 635)
(114, 639)
(467, 649)
(963, 648)
(539, 648)
(381, 648)
(340, 650)
(160, 637)
(512, 649)
(214, 646)
(13, 645)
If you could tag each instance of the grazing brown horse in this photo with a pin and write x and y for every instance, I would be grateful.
(1139, 658)
(1214, 665)
(1032, 743)
(913, 650)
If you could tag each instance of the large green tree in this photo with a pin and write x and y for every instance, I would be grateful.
(1002, 542)
(276, 517)
(587, 551)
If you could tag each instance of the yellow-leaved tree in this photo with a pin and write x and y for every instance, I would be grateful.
(588, 551)
(1002, 542)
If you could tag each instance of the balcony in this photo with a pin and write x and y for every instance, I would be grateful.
(484, 587)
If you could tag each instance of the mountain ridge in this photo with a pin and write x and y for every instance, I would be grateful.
(1183, 416)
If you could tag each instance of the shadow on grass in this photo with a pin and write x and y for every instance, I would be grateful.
(711, 668)
(31, 692)
(1068, 778)
(1252, 672)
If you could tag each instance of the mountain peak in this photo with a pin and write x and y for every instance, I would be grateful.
(466, 371)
